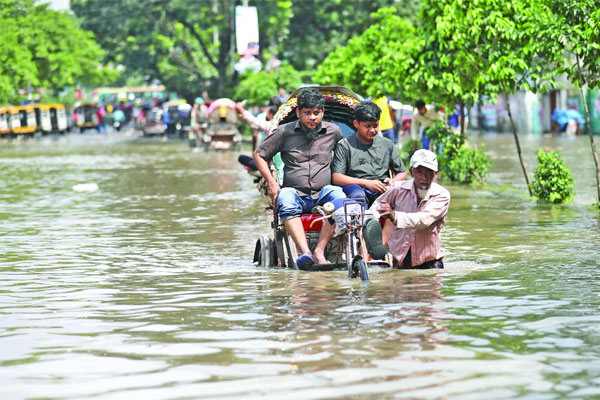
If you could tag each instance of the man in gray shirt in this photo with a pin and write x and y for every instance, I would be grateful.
(305, 146)
(362, 162)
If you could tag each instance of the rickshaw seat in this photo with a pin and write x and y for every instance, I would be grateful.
(306, 221)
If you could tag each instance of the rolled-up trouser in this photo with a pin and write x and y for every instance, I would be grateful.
(291, 205)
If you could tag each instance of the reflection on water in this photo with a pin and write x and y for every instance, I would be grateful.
(144, 288)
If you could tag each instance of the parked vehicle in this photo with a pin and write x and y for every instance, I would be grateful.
(23, 121)
(58, 118)
(151, 122)
(4, 128)
(42, 118)
(86, 116)
(13, 119)
(222, 131)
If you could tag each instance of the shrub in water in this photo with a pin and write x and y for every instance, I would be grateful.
(458, 161)
(552, 180)
(468, 165)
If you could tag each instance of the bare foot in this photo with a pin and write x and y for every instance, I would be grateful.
(319, 257)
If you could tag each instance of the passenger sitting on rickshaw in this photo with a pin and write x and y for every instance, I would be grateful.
(362, 162)
(305, 146)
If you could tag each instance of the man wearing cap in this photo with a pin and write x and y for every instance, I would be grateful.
(415, 210)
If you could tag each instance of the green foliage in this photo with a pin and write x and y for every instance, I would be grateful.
(468, 165)
(187, 44)
(40, 47)
(457, 159)
(318, 28)
(375, 63)
(552, 180)
(259, 87)
(407, 150)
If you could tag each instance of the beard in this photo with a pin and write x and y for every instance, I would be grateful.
(422, 193)
(311, 133)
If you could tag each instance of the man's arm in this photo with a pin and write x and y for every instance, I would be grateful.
(343, 180)
(396, 166)
(400, 176)
(265, 171)
(251, 120)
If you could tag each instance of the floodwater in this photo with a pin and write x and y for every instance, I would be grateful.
(127, 273)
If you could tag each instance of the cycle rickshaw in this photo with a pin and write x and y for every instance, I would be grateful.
(346, 250)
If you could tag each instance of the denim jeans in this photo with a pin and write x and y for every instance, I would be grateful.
(291, 205)
(425, 140)
(358, 192)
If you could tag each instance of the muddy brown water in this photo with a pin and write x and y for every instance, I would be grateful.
(144, 287)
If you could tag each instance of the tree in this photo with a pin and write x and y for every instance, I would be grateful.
(377, 62)
(188, 45)
(259, 87)
(498, 43)
(40, 47)
(317, 27)
(573, 29)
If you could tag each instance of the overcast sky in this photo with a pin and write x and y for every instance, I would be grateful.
(59, 4)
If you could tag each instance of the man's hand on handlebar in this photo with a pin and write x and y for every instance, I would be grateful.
(273, 190)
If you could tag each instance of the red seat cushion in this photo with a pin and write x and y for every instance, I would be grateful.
(306, 221)
(308, 218)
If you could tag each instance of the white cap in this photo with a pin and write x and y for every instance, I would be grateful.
(425, 158)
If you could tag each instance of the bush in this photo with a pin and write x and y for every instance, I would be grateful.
(467, 165)
(552, 180)
(457, 160)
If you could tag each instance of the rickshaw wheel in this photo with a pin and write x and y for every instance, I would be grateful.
(263, 252)
(279, 254)
(359, 268)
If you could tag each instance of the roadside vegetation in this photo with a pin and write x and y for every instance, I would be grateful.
(43, 48)
(447, 52)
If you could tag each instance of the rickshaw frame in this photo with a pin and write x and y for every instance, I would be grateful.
(345, 251)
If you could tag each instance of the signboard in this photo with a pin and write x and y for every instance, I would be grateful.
(246, 30)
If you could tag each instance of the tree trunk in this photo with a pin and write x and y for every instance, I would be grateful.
(589, 128)
(514, 130)
(462, 122)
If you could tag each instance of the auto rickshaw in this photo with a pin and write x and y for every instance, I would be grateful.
(42, 118)
(4, 128)
(176, 116)
(27, 124)
(86, 116)
(222, 132)
(347, 249)
(58, 118)
(151, 121)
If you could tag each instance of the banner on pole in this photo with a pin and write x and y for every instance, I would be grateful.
(246, 30)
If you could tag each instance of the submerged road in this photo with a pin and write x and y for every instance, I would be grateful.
(127, 272)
